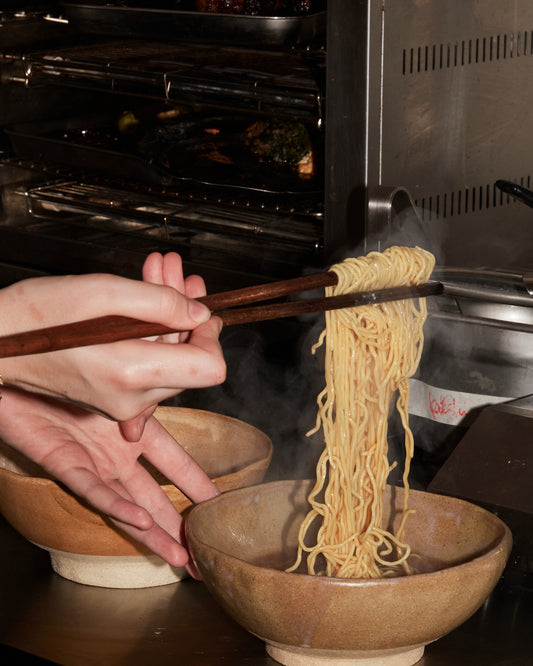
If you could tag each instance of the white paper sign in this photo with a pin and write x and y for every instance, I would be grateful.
(445, 406)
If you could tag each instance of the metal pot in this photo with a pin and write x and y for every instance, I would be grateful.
(478, 351)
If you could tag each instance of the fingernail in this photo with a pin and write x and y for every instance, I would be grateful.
(198, 311)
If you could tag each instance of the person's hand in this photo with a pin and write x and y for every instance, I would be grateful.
(164, 270)
(87, 453)
(123, 380)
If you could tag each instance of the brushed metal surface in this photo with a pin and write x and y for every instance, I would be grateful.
(454, 116)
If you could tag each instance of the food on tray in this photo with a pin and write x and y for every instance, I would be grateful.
(256, 7)
(371, 352)
(128, 122)
(175, 145)
(282, 143)
(173, 112)
(169, 142)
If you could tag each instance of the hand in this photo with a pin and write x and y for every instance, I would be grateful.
(164, 270)
(123, 380)
(88, 454)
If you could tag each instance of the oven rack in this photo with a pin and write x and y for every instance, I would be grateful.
(145, 214)
(291, 207)
(227, 77)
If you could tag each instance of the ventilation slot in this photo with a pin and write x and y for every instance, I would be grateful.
(465, 201)
(467, 52)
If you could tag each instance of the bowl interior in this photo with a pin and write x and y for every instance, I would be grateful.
(260, 525)
(220, 444)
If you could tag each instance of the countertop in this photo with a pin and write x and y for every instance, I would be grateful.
(45, 618)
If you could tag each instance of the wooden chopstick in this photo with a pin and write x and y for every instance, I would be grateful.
(311, 305)
(268, 291)
(113, 328)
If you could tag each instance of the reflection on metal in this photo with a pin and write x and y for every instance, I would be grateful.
(288, 234)
(394, 219)
(245, 79)
(449, 113)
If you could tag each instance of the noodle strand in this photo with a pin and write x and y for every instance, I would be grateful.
(370, 353)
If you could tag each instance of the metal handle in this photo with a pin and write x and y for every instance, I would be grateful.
(517, 191)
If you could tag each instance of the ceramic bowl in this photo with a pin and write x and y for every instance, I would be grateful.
(86, 547)
(243, 541)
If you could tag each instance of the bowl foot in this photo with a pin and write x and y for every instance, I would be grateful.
(294, 657)
(126, 572)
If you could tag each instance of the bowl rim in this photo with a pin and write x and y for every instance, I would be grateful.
(22, 485)
(264, 456)
(504, 542)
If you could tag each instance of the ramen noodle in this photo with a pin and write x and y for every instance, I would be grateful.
(370, 353)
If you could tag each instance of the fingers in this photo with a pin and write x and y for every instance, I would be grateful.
(195, 286)
(205, 339)
(151, 301)
(133, 429)
(86, 453)
(102, 497)
(160, 543)
(147, 493)
(152, 270)
(41, 302)
(161, 370)
(166, 454)
(164, 297)
(165, 541)
(164, 269)
(136, 503)
(173, 272)
(166, 536)
(145, 365)
(138, 506)
(168, 270)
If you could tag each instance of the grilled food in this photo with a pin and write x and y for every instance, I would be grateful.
(283, 143)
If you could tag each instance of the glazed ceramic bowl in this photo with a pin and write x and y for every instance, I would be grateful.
(243, 541)
(86, 547)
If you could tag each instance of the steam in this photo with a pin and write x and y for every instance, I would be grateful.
(273, 379)
(272, 383)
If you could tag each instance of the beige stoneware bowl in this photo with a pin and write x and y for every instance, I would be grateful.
(243, 541)
(86, 547)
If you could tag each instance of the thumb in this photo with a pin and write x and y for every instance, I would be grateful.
(198, 312)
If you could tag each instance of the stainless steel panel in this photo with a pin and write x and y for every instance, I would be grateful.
(454, 115)
(102, 18)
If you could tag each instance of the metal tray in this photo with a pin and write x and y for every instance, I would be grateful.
(265, 31)
(91, 144)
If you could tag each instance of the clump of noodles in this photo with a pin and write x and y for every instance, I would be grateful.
(370, 353)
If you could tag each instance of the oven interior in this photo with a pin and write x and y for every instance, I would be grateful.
(115, 146)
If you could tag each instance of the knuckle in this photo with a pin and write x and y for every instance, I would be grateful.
(172, 304)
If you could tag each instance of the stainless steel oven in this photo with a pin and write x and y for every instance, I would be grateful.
(430, 97)
(86, 190)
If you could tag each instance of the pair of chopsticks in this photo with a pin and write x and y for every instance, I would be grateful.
(226, 305)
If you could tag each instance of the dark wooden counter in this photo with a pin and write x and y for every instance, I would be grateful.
(43, 615)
